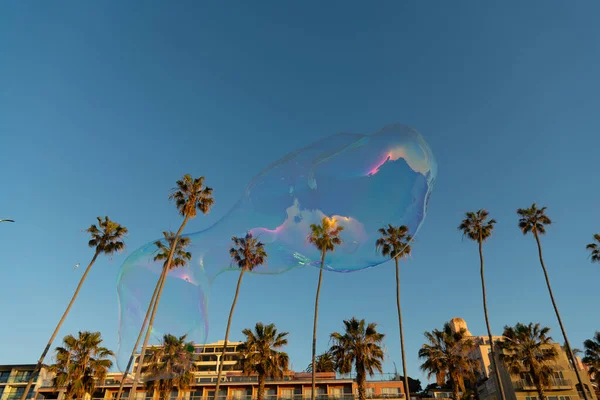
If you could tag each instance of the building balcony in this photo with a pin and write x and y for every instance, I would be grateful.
(555, 384)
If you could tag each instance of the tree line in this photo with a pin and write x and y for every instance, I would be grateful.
(191, 196)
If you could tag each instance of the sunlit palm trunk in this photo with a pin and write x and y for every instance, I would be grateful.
(314, 338)
(406, 389)
(360, 382)
(487, 324)
(538, 385)
(139, 338)
(222, 360)
(562, 328)
(261, 387)
(157, 302)
(40, 362)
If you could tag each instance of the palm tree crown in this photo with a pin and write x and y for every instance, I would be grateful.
(476, 226)
(448, 355)
(247, 252)
(107, 237)
(326, 235)
(79, 363)
(260, 354)
(360, 344)
(170, 365)
(533, 219)
(529, 348)
(592, 356)
(594, 248)
(394, 241)
(191, 194)
(180, 256)
(323, 363)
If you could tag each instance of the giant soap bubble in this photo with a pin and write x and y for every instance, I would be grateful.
(362, 181)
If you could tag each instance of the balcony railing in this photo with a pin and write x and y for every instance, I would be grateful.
(19, 379)
(555, 383)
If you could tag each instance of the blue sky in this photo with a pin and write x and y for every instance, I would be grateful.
(104, 105)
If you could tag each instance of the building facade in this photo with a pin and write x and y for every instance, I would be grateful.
(14, 378)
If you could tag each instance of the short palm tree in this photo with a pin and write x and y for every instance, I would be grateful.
(477, 227)
(448, 355)
(260, 354)
(171, 365)
(324, 363)
(528, 348)
(594, 248)
(534, 220)
(395, 243)
(361, 345)
(325, 237)
(247, 253)
(592, 356)
(106, 238)
(80, 363)
(191, 195)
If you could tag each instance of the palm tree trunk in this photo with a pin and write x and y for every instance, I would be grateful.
(406, 388)
(455, 390)
(139, 338)
(261, 387)
(38, 366)
(487, 323)
(314, 338)
(151, 323)
(360, 382)
(222, 360)
(562, 328)
(538, 384)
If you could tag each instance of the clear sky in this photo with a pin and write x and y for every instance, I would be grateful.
(103, 105)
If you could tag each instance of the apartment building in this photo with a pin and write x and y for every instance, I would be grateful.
(236, 386)
(563, 385)
(14, 378)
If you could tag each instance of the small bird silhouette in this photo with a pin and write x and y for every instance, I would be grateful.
(76, 266)
(6, 220)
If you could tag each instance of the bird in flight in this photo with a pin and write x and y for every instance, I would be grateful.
(6, 220)
(76, 266)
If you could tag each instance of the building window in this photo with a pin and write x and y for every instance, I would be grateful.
(390, 392)
(337, 393)
(552, 397)
(531, 398)
(22, 376)
(369, 391)
(4, 376)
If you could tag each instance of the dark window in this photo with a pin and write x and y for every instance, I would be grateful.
(4, 376)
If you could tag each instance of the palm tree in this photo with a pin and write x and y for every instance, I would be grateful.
(190, 196)
(179, 260)
(534, 220)
(478, 228)
(106, 238)
(260, 354)
(248, 253)
(448, 355)
(529, 348)
(395, 243)
(170, 365)
(360, 345)
(592, 356)
(325, 237)
(594, 249)
(324, 363)
(80, 362)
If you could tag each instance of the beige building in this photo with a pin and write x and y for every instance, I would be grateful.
(14, 378)
(563, 385)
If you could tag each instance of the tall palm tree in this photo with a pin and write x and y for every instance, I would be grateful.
(477, 227)
(592, 356)
(325, 237)
(190, 196)
(534, 220)
(324, 363)
(528, 347)
(80, 362)
(594, 248)
(361, 345)
(106, 238)
(395, 243)
(260, 354)
(180, 259)
(247, 253)
(171, 365)
(448, 355)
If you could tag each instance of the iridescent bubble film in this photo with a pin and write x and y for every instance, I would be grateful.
(363, 181)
